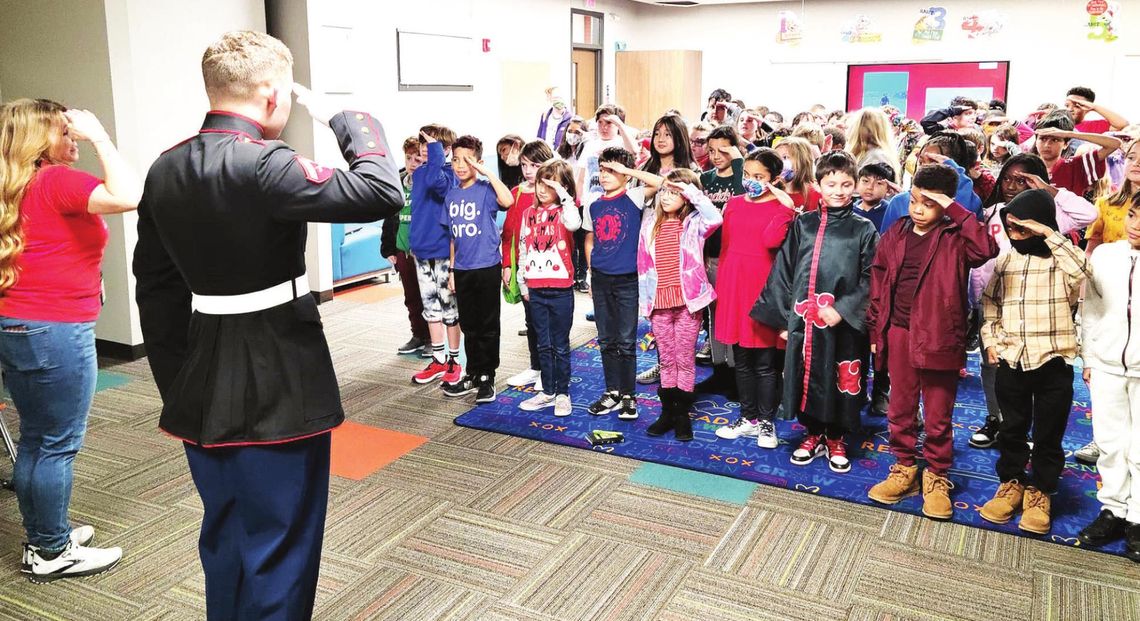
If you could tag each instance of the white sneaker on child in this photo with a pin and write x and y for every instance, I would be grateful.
(563, 406)
(741, 428)
(766, 435)
(538, 402)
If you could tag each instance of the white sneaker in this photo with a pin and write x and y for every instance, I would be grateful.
(1087, 454)
(766, 435)
(74, 562)
(742, 427)
(524, 378)
(537, 402)
(537, 385)
(562, 406)
(80, 536)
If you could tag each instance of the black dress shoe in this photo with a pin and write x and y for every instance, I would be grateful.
(1105, 529)
(1132, 542)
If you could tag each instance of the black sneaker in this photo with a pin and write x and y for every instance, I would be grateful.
(608, 402)
(986, 436)
(628, 408)
(413, 345)
(463, 387)
(486, 391)
(1105, 529)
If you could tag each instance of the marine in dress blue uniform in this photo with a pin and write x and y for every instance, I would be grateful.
(237, 347)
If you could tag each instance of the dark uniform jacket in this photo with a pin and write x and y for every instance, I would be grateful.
(225, 213)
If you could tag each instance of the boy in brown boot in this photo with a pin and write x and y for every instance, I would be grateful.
(1029, 334)
(916, 330)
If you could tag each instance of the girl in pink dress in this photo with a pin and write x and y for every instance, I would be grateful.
(754, 228)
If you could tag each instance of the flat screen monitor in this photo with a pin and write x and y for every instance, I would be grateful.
(917, 88)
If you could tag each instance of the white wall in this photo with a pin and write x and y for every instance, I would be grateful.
(1045, 42)
(530, 44)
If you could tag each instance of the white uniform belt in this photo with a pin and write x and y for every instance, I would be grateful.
(251, 302)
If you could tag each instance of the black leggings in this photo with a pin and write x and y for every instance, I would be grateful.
(758, 376)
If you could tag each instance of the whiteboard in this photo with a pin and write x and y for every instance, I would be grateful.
(434, 62)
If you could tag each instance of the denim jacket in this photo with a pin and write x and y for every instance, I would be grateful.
(698, 226)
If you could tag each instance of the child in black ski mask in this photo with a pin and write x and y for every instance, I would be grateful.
(1028, 332)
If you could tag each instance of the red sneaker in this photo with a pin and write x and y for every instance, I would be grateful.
(809, 449)
(434, 371)
(837, 455)
(453, 372)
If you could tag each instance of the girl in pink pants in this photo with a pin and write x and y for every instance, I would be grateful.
(674, 290)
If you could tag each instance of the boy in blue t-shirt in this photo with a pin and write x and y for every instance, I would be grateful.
(430, 245)
(476, 265)
(613, 223)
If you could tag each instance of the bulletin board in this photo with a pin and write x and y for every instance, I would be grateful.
(428, 62)
(917, 88)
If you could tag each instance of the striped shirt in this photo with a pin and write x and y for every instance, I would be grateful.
(667, 258)
(1027, 307)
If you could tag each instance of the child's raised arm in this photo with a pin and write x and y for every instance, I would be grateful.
(571, 217)
(502, 192)
(651, 181)
(437, 182)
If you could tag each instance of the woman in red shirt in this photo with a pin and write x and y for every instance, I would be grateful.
(51, 246)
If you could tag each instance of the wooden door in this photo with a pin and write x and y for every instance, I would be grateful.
(585, 87)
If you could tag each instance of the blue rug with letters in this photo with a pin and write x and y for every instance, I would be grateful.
(975, 480)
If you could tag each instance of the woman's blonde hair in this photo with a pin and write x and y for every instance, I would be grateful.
(802, 163)
(26, 129)
(682, 176)
(869, 129)
(1126, 191)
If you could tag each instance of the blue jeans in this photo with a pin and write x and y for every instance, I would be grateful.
(50, 370)
(552, 313)
(531, 336)
(615, 312)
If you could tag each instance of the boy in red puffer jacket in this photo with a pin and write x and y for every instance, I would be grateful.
(921, 267)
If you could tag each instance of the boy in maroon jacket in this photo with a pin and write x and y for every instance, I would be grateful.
(917, 321)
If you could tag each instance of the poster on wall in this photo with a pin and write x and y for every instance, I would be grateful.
(861, 29)
(917, 88)
(983, 25)
(1104, 17)
(791, 31)
(930, 25)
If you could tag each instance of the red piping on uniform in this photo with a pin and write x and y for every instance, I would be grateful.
(233, 444)
(238, 116)
(813, 309)
(233, 132)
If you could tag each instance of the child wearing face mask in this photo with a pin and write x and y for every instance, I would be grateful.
(816, 297)
(755, 226)
(673, 290)
(799, 173)
(1020, 173)
(1029, 335)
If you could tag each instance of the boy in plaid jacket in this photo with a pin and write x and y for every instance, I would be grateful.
(1028, 332)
